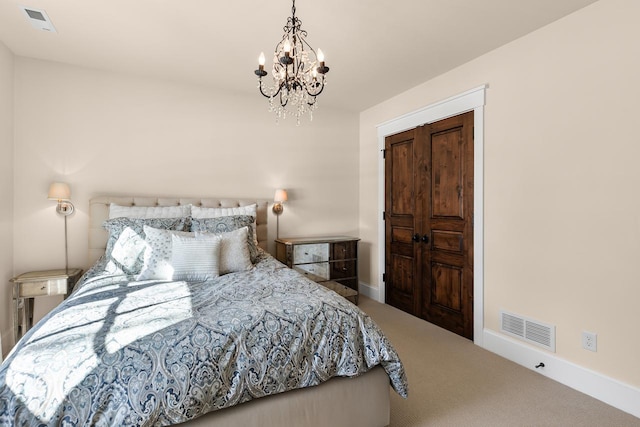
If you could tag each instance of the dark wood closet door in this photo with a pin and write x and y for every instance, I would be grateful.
(429, 222)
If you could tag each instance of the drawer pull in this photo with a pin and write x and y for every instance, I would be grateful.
(43, 288)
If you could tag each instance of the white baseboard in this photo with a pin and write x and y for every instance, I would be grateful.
(369, 291)
(611, 391)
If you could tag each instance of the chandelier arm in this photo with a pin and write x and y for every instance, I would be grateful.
(312, 103)
(310, 48)
(269, 96)
(315, 94)
(283, 104)
(281, 42)
(319, 65)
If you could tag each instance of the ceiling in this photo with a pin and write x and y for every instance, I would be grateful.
(375, 48)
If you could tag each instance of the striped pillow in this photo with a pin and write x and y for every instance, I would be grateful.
(195, 259)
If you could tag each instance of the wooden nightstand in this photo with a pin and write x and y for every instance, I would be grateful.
(33, 284)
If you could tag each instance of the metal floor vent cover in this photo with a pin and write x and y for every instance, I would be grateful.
(529, 330)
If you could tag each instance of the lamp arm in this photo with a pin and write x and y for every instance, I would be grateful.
(65, 208)
(277, 208)
(66, 248)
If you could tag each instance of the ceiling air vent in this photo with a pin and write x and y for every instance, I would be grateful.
(38, 19)
(529, 330)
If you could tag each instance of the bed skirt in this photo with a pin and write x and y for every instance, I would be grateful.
(353, 402)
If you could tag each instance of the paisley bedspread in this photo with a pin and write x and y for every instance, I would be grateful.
(125, 352)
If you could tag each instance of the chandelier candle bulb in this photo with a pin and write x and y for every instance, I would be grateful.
(260, 72)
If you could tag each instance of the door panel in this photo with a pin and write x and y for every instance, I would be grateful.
(399, 213)
(443, 240)
(402, 177)
(429, 229)
(446, 284)
(403, 275)
(447, 169)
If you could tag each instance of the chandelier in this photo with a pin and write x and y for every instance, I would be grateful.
(298, 73)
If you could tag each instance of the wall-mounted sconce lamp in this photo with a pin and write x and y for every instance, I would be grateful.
(278, 206)
(61, 192)
(278, 200)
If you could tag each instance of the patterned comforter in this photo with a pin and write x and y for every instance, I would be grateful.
(125, 352)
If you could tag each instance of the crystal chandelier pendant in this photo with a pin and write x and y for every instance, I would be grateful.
(298, 73)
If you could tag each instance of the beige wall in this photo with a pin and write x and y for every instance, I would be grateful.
(6, 194)
(562, 209)
(109, 133)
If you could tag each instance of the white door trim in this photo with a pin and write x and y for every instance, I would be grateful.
(473, 99)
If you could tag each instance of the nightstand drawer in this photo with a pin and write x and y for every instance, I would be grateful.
(342, 290)
(314, 252)
(319, 269)
(344, 250)
(351, 283)
(342, 269)
(42, 288)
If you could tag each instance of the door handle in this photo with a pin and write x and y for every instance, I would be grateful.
(425, 238)
(416, 237)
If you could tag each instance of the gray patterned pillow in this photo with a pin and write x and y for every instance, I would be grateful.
(226, 224)
(158, 253)
(126, 245)
(234, 251)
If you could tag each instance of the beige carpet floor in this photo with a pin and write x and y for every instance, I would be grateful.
(453, 382)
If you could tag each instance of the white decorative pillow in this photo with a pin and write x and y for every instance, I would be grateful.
(157, 255)
(202, 212)
(234, 251)
(195, 259)
(117, 211)
(251, 210)
(126, 244)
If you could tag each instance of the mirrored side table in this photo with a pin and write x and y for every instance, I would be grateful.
(28, 286)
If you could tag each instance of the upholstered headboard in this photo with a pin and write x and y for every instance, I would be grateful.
(99, 212)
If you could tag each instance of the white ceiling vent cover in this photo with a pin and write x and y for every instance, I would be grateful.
(38, 19)
(529, 330)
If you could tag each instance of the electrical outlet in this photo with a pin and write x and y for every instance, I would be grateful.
(589, 341)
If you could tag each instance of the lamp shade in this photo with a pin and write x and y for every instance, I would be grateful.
(280, 196)
(59, 191)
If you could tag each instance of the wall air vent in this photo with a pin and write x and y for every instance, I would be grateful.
(38, 18)
(529, 330)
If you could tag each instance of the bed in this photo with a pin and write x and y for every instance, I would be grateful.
(252, 344)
